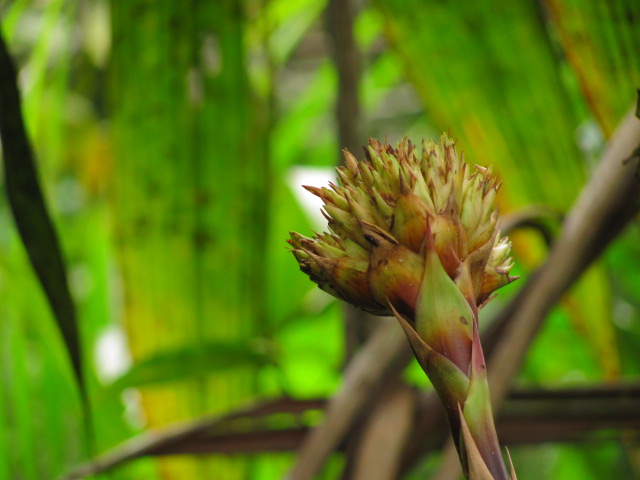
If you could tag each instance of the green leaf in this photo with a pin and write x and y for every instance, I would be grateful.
(601, 39)
(30, 211)
(190, 362)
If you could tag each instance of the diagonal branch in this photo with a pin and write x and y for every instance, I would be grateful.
(381, 440)
(605, 206)
(385, 354)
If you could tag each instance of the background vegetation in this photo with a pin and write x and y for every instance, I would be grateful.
(170, 137)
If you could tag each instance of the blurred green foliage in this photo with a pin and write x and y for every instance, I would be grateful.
(166, 134)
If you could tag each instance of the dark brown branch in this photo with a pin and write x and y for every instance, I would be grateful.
(537, 416)
(528, 417)
(234, 432)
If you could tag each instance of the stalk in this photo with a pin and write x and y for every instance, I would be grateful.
(446, 343)
(414, 236)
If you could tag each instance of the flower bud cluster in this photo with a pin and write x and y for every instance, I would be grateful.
(380, 214)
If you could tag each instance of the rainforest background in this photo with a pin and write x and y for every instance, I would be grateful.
(170, 139)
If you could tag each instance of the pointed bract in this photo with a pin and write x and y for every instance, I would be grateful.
(476, 469)
(443, 315)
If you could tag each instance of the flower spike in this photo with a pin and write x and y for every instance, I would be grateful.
(413, 234)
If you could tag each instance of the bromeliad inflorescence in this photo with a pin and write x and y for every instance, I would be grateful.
(413, 234)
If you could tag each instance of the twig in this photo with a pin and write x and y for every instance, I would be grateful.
(540, 218)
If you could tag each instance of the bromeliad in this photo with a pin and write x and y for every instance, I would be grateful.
(413, 234)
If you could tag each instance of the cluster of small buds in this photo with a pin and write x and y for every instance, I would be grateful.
(380, 214)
